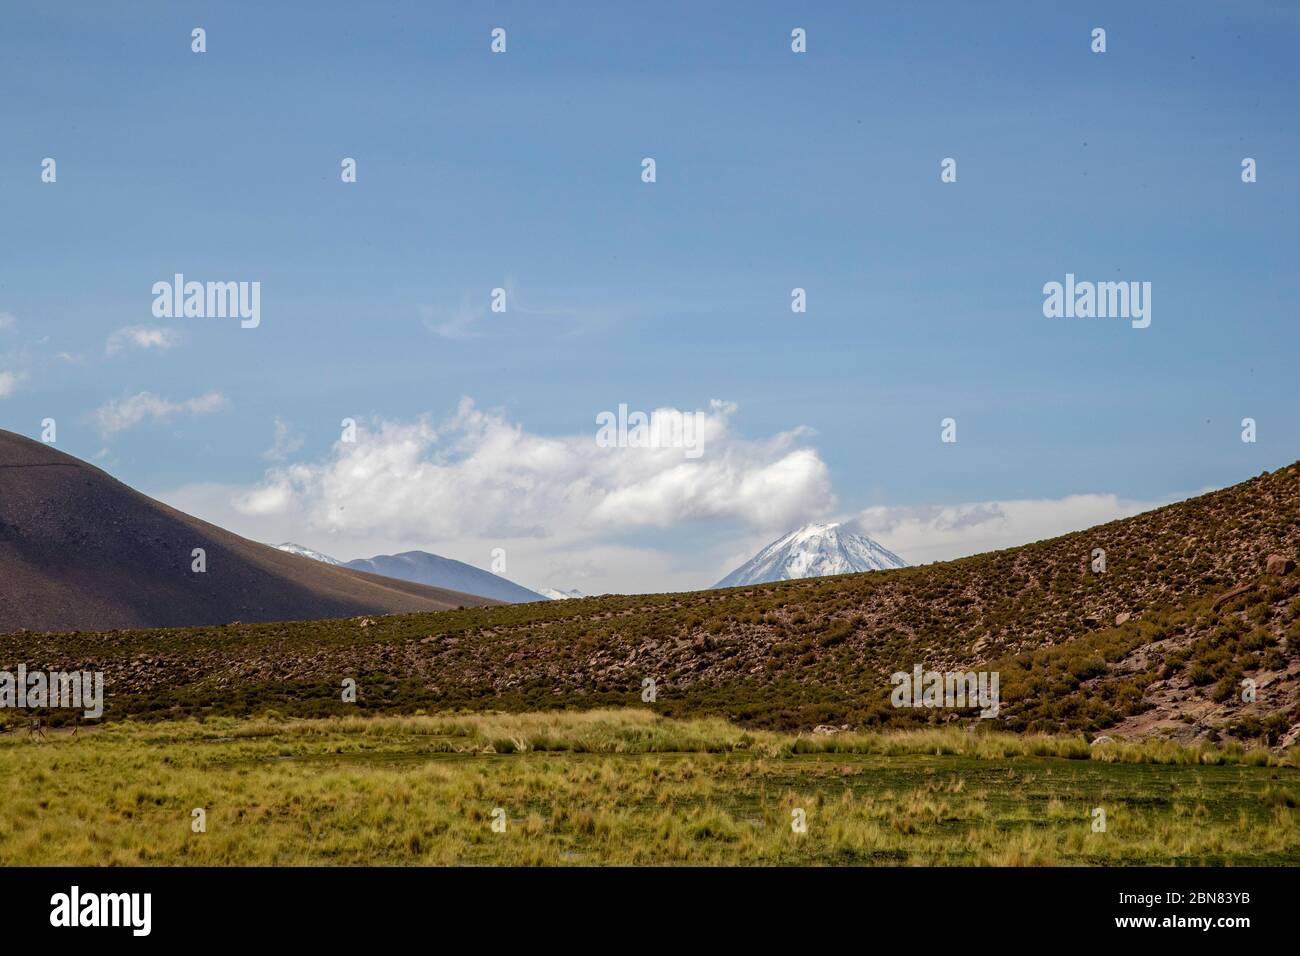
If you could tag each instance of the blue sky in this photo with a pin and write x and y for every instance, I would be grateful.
(775, 170)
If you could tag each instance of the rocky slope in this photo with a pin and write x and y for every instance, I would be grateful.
(1194, 599)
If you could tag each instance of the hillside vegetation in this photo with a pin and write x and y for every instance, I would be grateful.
(1158, 644)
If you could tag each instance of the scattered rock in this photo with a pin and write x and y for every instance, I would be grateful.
(1227, 596)
(826, 729)
(1122, 618)
(1279, 565)
(1103, 739)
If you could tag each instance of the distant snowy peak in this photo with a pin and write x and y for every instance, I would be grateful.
(813, 551)
(307, 553)
(554, 594)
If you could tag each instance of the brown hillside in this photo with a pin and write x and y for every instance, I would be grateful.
(81, 551)
(1158, 644)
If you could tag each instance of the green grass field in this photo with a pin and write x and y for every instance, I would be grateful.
(628, 787)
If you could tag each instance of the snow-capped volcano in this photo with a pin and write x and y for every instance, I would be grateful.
(814, 551)
(307, 553)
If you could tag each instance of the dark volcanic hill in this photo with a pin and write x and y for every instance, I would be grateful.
(79, 550)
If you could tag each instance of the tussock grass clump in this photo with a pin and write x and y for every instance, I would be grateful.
(641, 731)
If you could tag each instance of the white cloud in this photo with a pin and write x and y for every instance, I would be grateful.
(8, 379)
(562, 507)
(480, 474)
(124, 413)
(455, 324)
(592, 565)
(284, 444)
(142, 337)
(570, 513)
(940, 533)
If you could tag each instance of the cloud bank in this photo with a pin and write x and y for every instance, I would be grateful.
(571, 513)
(941, 533)
(480, 474)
